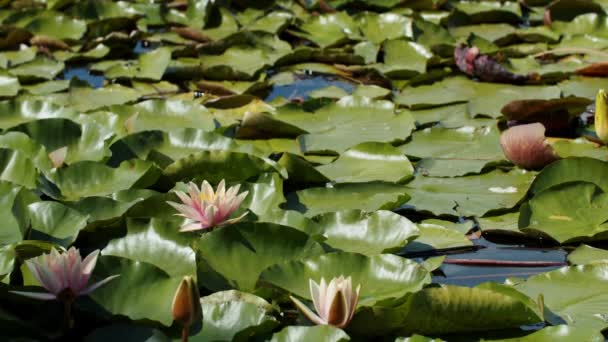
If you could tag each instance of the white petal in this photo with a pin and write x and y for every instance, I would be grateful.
(36, 295)
(98, 284)
(307, 312)
(315, 294)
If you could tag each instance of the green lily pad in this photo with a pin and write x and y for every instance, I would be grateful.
(571, 170)
(14, 201)
(57, 25)
(348, 122)
(244, 62)
(149, 66)
(470, 195)
(367, 233)
(83, 98)
(241, 251)
(222, 310)
(132, 333)
(381, 277)
(104, 209)
(490, 11)
(156, 242)
(574, 295)
(17, 168)
(368, 162)
(580, 147)
(56, 220)
(404, 59)
(385, 26)
(329, 30)
(452, 309)
(9, 86)
(39, 68)
(217, 165)
(584, 254)
(363, 196)
(557, 333)
(142, 291)
(438, 234)
(86, 178)
(454, 152)
(165, 115)
(317, 333)
(485, 98)
(568, 212)
(17, 112)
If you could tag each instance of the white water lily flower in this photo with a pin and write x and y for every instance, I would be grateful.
(208, 208)
(335, 302)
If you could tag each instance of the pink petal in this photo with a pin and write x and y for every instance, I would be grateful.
(525, 146)
(192, 227)
(47, 278)
(88, 265)
(207, 193)
(184, 198)
(221, 189)
(232, 191)
(187, 211)
(234, 220)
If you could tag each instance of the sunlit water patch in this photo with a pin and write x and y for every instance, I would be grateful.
(302, 88)
(83, 73)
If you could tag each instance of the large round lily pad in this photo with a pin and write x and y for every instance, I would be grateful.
(381, 277)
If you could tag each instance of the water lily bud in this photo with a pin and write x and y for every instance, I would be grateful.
(601, 115)
(186, 303)
(335, 302)
(526, 147)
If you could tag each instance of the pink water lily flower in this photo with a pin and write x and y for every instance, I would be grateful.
(208, 208)
(64, 275)
(335, 302)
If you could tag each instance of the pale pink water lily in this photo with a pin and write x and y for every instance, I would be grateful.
(335, 302)
(64, 275)
(208, 208)
(526, 146)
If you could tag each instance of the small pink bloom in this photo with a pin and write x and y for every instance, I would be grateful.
(526, 147)
(208, 208)
(335, 302)
(64, 275)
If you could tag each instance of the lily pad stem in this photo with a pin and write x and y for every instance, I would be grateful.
(185, 333)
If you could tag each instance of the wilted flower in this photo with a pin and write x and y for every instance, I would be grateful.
(187, 302)
(64, 275)
(335, 303)
(526, 147)
(601, 115)
(206, 208)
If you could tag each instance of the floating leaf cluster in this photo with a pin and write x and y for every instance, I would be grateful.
(350, 143)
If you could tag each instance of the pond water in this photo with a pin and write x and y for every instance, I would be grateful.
(303, 86)
(82, 72)
(472, 275)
